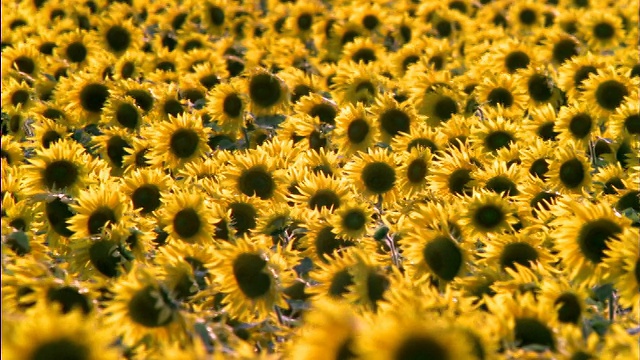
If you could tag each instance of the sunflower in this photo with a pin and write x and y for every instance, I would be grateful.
(573, 73)
(363, 50)
(601, 29)
(433, 94)
(243, 212)
(268, 92)
(301, 20)
(85, 95)
(77, 47)
(145, 188)
(22, 61)
(392, 117)
(607, 90)
(112, 146)
(320, 241)
(119, 36)
(122, 112)
(334, 279)
(583, 233)
(143, 308)
(320, 192)
(452, 172)
(355, 130)
(179, 141)
(330, 331)
(611, 179)
(431, 253)
(526, 249)
(567, 299)
(560, 47)
(137, 156)
(577, 123)
(500, 178)
(189, 217)
(413, 171)
(353, 220)
(301, 83)
(625, 122)
(487, 213)
(354, 83)
(215, 15)
(408, 55)
(43, 334)
(371, 280)
(17, 94)
(622, 260)
(145, 97)
(539, 83)
(511, 55)
(11, 151)
(252, 277)
(63, 166)
(527, 327)
(526, 16)
(47, 132)
(255, 174)
(500, 91)
(226, 105)
(494, 134)
(390, 337)
(374, 174)
(569, 170)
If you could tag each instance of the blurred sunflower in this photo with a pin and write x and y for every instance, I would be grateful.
(119, 36)
(145, 188)
(601, 29)
(622, 260)
(540, 84)
(626, 120)
(112, 146)
(43, 334)
(452, 173)
(11, 151)
(179, 141)
(85, 95)
(268, 92)
(252, 277)
(392, 117)
(573, 73)
(567, 299)
(98, 208)
(255, 174)
(122, 112)
(320, 241)
(525, 249)
(356, 83)
(17, 94)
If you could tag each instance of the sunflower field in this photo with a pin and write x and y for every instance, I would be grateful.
(317, 179)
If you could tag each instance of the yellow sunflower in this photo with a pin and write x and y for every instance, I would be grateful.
(98, 208)
(17, 94)
(495, 133)
(354, 83)
(355, 130)
(452, 172)
(119, 35)
(577, 123)
(268, 92)
(622, 260)
(179, 141)
(573, 73)
(43, 334)
(226, 105)
(487, 213)
(85, 95)
(626, 120)
(374, 174)
(334, 279)
(319, 192)
(500, 91)
(123, 111)
(255, 174)
(568, 300)
(189, 216)
(601, 29)
(526, 248)
(252, 277)
(607, 90)
(583, 233)
(539, 82)
(413, 171)
(353, 220)
(569, 169)
(145, 188)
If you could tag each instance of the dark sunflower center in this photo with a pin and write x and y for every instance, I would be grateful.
(370, 21)
(444, 28)
(444, 257)
(528, 16)
(582, 74)
(46, 48)
(304, 21)
(458, 181)
(444, 108)
(636, 271)
(357, 131)
(99, 218)
(539, 168)
(540, 87)
(142, 98)
(148, 307)
(265, 90)
(232, 105)
(60, 174)
(116, 150)
(603, 31)
(61, 348)
(256, 181)
(146, 198)
(572, 173)
(416, 347)
(424, 143)
(531, 331)
(581, 355)
(339, 283)
(248, 269)
(216, 15)
(354, 220)
(127, 115)
(141, 158)
(118, 38)
(500, 96)
(517, 60)
(76, 52)
(580, 125)
(502, 184)
(93, 96)
(244, 217)
(498, 139)
(632, 124)
(570, 309)
(394, 121)
(517, 253)
(24, 64)
(209, 81)
(411, 59)
(417, 171)
(20, 96)
(565, 49)
(593, 238)
(365, 55)
(187, 223)
(185, 287)
(299, 91)
(378, 177)
(487, 217)
(377, 284)
(324, 198)
(366, 86)
(325, 112)
(166, 65)
(173, 107)
(50, 137)
(629, 200)
(104, 258)
(326, 243)
(58, 213)
(69, 298)
(612, 186)
(610, 94)
(127, 70)
(542, 201)
(184, 143)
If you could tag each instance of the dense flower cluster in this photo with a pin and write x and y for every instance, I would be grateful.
(223, 179)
